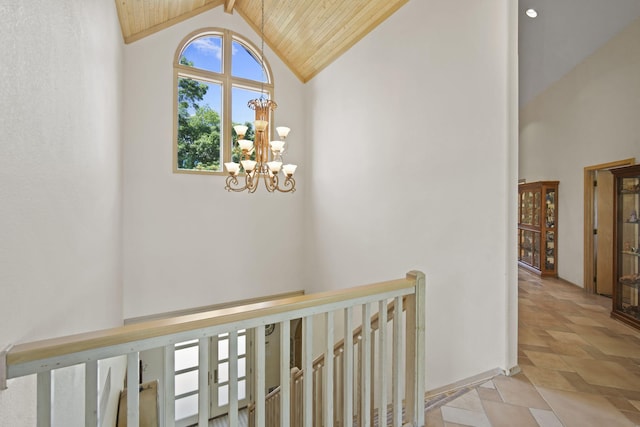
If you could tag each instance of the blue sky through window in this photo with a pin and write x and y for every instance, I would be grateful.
(206, 53)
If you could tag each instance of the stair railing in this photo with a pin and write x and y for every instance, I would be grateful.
(273, 398)
(42, 358)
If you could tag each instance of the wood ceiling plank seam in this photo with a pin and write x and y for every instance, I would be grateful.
(308, 20)
(123, 18)
(337, 53)
(304, 47)
(283, 58)
(149, 15)
(138, 15)
(172, 9)
(142, 34)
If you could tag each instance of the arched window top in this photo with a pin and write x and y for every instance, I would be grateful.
(216, 73)
(205, 50)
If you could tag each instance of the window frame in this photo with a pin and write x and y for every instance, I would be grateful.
(227, 81)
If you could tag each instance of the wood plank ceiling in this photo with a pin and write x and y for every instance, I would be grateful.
(307, 35)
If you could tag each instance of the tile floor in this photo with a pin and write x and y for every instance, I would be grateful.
(580, 368)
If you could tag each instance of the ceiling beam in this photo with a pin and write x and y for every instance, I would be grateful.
(228, 5)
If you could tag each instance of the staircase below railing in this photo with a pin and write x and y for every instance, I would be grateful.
(273, 418)
(395, 375)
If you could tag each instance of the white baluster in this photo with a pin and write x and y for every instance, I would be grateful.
(44, 398)
(348, 367)
(170, 385)
(203, 382)
(382, 362)
(328, 371)
(233, 379)
(133, 395)
(285, 374)
(260, 376)
(91, 394)
(398, 351)
(365, 367)
(307, 333)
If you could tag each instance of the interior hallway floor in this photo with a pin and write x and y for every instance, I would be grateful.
(579, 367)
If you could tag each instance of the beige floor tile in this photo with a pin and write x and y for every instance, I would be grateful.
(505, 415)
(470, 401)
(517, 390)
(581, 320)
(634, 417)
(614, 346)
(489, 394)
(464, 417)
(569, 349)
(433, 418)
(567, 337)
(584, 409)
(547, 378)
(545, 418)
(547, 360)
(604, 373)
(527, 336)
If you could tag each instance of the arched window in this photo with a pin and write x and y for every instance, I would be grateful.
(216, 73)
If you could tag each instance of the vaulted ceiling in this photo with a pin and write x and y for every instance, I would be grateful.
(307, 35)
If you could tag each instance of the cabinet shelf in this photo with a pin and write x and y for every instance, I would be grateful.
(538, 226)
(626, 262)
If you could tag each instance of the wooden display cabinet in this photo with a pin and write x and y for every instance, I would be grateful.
(538, 227)
(626, 254)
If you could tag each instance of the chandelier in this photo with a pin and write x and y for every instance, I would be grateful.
(265, 167)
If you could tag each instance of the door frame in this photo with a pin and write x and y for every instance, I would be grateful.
(589, 174)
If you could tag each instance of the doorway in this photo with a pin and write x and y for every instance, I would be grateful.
(598, 226)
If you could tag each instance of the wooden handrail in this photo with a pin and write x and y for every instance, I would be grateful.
(59, 347)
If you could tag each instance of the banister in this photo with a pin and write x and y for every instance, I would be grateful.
(84, 343)
(339, 345)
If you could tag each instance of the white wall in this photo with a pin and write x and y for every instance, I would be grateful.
(60, 180)
(411, 165)
(588, 117)
(187, 241)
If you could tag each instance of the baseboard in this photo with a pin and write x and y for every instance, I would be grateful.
(464, 383)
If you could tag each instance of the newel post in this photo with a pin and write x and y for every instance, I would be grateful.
(4, 367)
(415, 350)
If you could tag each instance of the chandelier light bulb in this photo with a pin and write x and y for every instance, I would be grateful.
(261, 125)
(283, 131)
(233, 168)
(277, 146)
(289, 170)
(241, 131)
(248, 165)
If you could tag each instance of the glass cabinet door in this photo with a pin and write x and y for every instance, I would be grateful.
(628, 242)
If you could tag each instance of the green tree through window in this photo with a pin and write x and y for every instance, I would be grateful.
(205, 84)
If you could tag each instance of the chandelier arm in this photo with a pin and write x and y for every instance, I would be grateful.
(232, 185)
(288, 182)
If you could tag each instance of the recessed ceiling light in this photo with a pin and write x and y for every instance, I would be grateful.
(531, 13)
